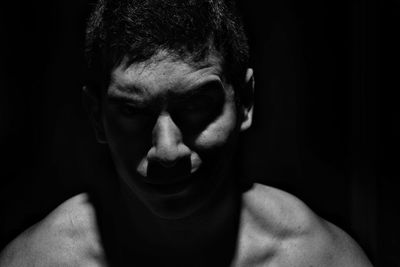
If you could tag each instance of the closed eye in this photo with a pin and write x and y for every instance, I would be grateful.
(132, 111)
(200, 104)
(198, 111)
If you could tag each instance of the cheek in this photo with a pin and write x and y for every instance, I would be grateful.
(220, 132)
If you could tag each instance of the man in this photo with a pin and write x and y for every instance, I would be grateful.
(169, 91)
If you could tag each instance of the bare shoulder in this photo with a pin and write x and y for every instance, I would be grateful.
(278, 229)
(68, 236)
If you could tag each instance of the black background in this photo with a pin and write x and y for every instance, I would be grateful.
(326, 123)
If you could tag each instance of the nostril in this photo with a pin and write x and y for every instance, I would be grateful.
(166, 157)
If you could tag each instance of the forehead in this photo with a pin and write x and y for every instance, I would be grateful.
(163, 73)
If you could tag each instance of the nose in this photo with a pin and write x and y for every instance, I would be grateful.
(168, 147)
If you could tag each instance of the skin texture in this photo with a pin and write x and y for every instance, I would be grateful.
(276, 229)
(171, 127)
(67, 237)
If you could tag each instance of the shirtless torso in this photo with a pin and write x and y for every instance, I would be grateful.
(275, 229)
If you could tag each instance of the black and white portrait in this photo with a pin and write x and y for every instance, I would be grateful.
(199, 133)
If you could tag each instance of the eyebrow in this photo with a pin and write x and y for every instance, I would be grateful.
(122, 98)
(123, 91)
(202, 88)
(129, 88)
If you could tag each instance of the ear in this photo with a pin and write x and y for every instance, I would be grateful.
(247, 101)
(92, 104)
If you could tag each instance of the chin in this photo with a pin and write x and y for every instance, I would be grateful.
(174, 202)
(179, 205)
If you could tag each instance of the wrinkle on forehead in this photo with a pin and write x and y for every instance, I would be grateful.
(211, 57)
(164, 70)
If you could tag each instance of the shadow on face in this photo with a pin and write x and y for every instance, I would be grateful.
(171, 128)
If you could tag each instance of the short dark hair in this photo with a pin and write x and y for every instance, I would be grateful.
(188, 29)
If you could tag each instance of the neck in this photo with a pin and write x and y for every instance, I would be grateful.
(130, 231)
(198, 236)
(212, 216)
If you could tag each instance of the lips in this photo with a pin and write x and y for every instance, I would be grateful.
(171, 188)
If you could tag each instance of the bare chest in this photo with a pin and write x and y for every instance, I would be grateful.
(252, 249)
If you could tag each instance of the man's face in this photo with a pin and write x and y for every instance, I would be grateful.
(171, 129)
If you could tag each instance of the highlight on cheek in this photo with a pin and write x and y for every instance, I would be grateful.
(219, 131)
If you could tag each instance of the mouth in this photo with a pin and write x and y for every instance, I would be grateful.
(177, 186)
